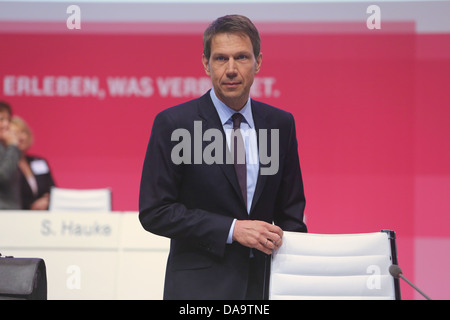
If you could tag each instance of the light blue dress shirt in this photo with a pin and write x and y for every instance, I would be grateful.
(251, 148)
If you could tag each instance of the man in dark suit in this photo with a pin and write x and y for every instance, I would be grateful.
(223, 217)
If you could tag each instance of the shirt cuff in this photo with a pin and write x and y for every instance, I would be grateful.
(230, 233)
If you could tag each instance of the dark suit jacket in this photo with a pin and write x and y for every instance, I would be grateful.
(44, 183)
(195, 204)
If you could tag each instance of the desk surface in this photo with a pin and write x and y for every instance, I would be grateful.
(89, 255)
(31, 229)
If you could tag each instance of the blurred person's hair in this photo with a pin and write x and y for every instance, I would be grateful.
(19, 122)
(5, 107)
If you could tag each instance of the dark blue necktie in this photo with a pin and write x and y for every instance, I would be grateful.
(239, 154)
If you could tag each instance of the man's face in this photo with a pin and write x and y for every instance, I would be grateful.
(232, 67)
(4, 123)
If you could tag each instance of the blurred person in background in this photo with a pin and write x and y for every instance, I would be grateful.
(36, 178)
(9, 159)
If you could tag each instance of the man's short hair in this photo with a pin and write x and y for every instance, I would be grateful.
(231, 24)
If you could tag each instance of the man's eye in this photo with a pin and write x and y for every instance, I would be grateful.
(242, 57)
(220, 58)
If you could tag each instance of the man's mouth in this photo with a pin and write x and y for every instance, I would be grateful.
(231, 84)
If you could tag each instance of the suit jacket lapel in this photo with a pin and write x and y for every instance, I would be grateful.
(260, 123)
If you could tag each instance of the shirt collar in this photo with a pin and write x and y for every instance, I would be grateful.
(225, 112)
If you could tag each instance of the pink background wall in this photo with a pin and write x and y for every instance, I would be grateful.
(371, 108)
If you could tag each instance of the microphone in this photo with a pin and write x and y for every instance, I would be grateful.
(396, 272)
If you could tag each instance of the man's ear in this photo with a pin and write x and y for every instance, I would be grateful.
(205, 63)
(258, 63)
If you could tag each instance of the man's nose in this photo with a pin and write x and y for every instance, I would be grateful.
(231, 68)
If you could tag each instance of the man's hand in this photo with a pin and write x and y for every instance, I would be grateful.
(257, 234)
